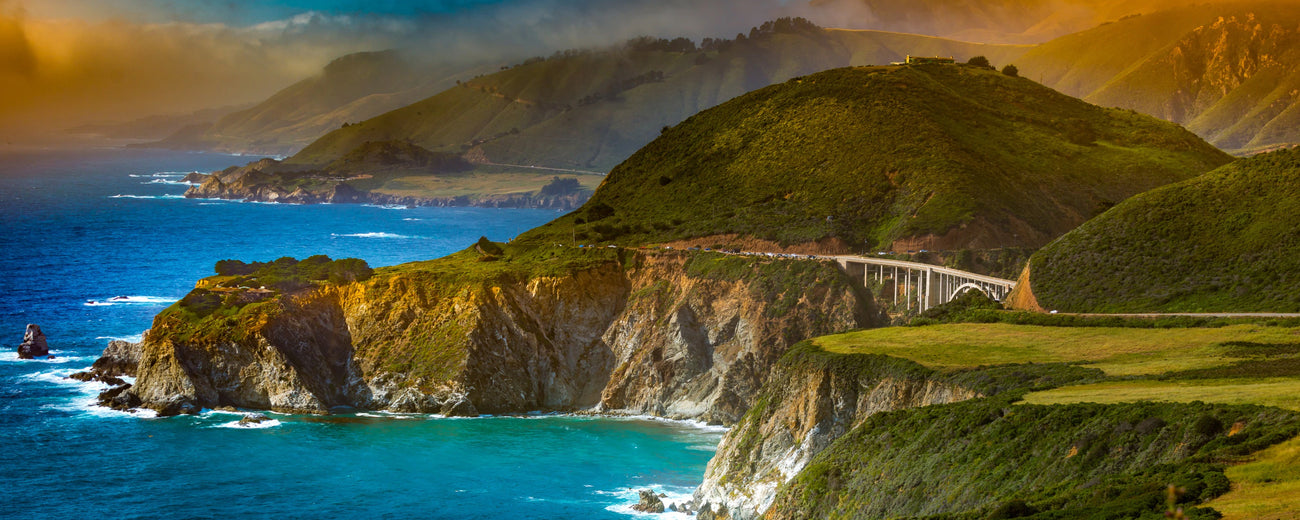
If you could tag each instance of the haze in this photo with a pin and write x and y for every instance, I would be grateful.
(65, 63)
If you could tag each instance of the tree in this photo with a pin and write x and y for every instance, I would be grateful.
(979, 61)
(1011, 70)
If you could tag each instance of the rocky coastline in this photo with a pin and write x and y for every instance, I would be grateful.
(212, 187)
(646, 336)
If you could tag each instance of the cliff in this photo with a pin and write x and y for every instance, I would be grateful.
(865, 435)
(342, 193)
(393, 172)
(531, 328)
(812, 399)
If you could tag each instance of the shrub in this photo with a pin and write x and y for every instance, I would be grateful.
(1011, 70)
(979, 61)
(561, 186)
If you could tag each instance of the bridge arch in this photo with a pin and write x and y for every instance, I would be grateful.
(967, 287)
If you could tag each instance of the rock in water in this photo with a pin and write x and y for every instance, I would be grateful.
(649, 503)
(33, 343)
(253, 418)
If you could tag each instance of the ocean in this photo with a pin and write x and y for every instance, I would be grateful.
(82, 229)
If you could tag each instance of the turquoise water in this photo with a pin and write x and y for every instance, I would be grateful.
(80, 229)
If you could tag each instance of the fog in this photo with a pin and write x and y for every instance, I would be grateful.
(65, 63)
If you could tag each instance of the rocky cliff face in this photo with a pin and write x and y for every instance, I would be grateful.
(260, 188)
(676, 335)
(1232, 81)
(812, 399)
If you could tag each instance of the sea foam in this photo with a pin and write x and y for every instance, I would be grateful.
(371, 235)
(631, 496)
(130, 300)
(121, 196)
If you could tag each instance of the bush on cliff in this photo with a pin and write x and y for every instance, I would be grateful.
(287, 273)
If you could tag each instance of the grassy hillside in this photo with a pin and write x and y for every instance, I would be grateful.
(942, 156)
(350, 89)
(1088, 448)
(1221, 242)
(590, 110)
(1226, 71)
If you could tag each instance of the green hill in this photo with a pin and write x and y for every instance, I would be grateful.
(1222, 242)
(590, 110)
(350, 89)
(938, 156)
(1226, 71)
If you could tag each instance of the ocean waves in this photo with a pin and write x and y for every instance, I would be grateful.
(371, 235)
(147, 197)
(130, 300)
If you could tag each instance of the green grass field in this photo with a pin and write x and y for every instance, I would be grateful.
(1116, 351)
(1242, 364)
(479, 183)
(1266, 488)
(1282, 392)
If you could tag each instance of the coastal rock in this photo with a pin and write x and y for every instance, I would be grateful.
(195, 178)
(650, 502)
(119, 398)
(120, 358)
(647, 337)
(253, 418)
(810, 401)
(89, 376)
(33, 345)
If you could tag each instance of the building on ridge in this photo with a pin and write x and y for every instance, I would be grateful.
(925, 60)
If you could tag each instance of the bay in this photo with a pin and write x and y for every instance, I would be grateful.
(83, 229)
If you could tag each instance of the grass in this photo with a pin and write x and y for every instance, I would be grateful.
(1282, 392)
(1161, 406)
(1221, 242)
(1177, 373)
(1116, 351)
(478, 183)
(1266, 488)
(871, 155)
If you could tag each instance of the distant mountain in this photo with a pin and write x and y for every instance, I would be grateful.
(1228, 72)
(902, 157)
(1222, 242)
(1005, 21)
(156, 126)
(350, 89)
(589, 110)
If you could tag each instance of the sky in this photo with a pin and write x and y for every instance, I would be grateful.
(65, 63)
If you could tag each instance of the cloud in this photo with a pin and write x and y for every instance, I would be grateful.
(69, 62)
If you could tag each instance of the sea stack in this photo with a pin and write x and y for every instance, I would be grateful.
(34, 344)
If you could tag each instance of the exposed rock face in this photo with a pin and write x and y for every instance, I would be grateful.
(649, 339)
(33, 344)
(808, 403)
(120, 358)
(649, 503)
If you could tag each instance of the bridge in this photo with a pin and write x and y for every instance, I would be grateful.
(921, 286)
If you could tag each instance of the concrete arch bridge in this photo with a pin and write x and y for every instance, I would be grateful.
(916, 286)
